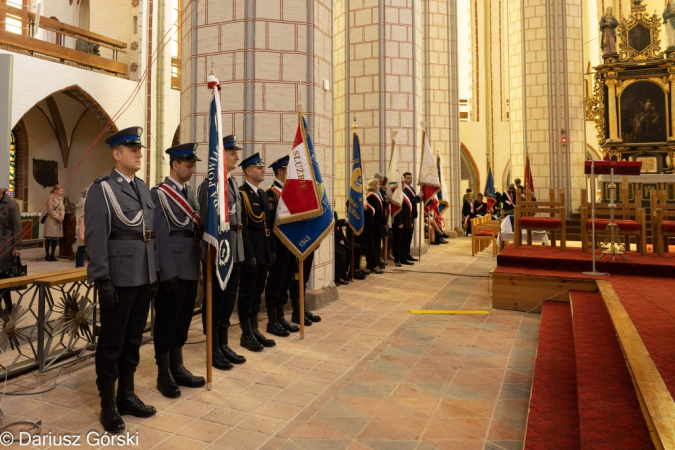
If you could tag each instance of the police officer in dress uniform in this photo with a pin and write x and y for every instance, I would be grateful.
(259, 249)
(178, 232)
(403, 225)
(281, 273)
(222, 302)
(119, 235)
(408, 232)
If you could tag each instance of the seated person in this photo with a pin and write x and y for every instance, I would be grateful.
(480, 208)
(468, 212)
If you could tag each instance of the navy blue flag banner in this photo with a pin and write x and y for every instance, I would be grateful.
(489, 192)
(216, 217)
(303, 236)
(356, 192)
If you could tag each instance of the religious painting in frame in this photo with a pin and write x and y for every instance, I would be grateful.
(643, 115)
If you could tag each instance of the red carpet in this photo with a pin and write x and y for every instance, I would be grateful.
(609, 412)
(574, 260)
(650, 304)
(553, 421)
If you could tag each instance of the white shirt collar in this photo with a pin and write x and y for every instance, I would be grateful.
(180, 185)
(126, 178)
(255, 188)
(279, 181)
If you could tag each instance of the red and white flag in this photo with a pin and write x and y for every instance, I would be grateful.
(299, 199)
(428, 178)
(394, 190)
(529, 183)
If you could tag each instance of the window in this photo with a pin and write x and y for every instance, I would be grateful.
(464, 60)
(11, 23)
(175, 43)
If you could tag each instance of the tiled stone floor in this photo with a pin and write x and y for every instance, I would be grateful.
(370, 375)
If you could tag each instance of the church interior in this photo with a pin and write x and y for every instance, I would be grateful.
(518, 344)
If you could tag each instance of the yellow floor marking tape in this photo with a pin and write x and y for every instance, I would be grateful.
(431, 311)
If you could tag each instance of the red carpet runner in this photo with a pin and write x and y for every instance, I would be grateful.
(650, 303)
(553, 421)
(609, 412)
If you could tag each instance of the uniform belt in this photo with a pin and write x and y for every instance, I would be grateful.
(178, 233)
(132, 236)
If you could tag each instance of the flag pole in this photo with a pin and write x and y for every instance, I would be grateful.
(301, 285)
(209, 323)
(421, 231)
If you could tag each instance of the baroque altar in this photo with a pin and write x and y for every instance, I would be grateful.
(633, 103)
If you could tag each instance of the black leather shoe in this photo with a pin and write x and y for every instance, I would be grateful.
(435, 243)
(227, 352)
(166, 384)
(181, 375)
(110, 417)
(410, 258)
(407, 263)
(249, 342)
(232, 356)
(127, 400)
(129, 403)
(284, 323)
(263, 339)
(397, 263)
(276, 329)
(312, 317)
(219, 361)
(296, 319)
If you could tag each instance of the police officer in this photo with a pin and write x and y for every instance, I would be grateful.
(177, 235)
(118, 231)
(222, 301)
(281, 273)
(259, 249)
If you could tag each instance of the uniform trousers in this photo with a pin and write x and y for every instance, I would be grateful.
(173, 314)
(251, 288)
(117, 350)
(407, 240)
(279, 278)
(222, 301)
(295, 284)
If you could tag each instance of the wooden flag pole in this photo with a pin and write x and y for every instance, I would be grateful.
(209, 323)
(421, 231)
(301, 285)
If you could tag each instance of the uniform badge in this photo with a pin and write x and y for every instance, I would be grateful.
(270, 206)
(119, 179)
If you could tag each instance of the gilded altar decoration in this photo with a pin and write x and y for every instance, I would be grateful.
(639, 35)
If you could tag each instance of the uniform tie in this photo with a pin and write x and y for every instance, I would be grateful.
(184, 190)
(133, 186)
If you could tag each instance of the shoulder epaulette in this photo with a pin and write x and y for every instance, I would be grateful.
(103, 178)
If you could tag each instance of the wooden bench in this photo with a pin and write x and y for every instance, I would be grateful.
(663, 222)
(484, 231)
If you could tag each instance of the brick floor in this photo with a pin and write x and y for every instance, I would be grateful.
(370, 375)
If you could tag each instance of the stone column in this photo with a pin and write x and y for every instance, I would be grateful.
(268, 55)
(546, 72)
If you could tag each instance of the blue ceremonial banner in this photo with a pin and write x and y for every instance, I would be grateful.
(489, 192)
(356, 194)
(216, 219)
(304, 236)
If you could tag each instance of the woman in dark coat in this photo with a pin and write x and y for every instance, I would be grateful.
(10, 239)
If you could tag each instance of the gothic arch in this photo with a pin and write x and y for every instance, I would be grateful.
(470, 164)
